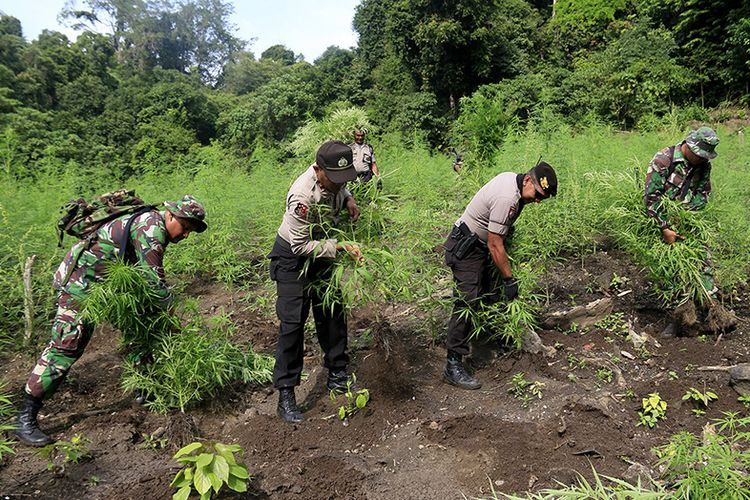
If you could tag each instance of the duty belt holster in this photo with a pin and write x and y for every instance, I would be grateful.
(466, 240)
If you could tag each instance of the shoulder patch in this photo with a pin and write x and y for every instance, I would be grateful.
(301, 210)
(512, 211)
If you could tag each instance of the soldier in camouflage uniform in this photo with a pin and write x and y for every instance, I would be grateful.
(317, 192)
(364, 159)
(477, 244)
(150, 233)
(682, 172)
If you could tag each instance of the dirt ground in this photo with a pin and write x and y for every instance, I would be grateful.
(418, 437)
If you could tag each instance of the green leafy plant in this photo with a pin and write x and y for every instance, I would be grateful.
(701, 399)
(745, 400)
(355, 399)
(175, 361)
(654, 409)
(575, 362)
(615, 323)
(62, 453)
(6, 411)
(153, 443)
(604, 375)
(524, 390)
(207, 468)
(715, 465)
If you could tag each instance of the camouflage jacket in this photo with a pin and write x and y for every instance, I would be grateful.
(670, 174)
(85, 263)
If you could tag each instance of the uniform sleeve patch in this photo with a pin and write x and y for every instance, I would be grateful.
(301, 210)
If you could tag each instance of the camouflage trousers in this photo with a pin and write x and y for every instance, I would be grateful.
(69, 339)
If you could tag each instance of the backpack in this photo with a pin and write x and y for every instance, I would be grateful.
(82, 219)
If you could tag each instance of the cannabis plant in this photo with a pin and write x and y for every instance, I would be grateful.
(175, 360)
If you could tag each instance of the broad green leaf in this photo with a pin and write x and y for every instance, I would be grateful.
(232, 448)
(187, 449)
(342, 412)
(221, 468)
(238, 485)
(228, 457)
(204, 460)
(178, 478)
(361, 401)
(215, 481)
(182, 494)
(201, 482)
(239, 471)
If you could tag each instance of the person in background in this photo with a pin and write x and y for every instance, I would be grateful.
(364, 159)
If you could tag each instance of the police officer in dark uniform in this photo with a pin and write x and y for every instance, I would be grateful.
(477, 241)
(317, 193)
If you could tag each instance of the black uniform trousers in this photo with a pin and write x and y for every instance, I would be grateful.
(473, 278)
(295, 294)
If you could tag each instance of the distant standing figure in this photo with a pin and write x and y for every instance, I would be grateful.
(364, 159)
(476, 243)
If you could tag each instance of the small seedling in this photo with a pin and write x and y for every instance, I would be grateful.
(355, 399)
(614, 323)
(604, 375)
(700, 399)
(574, 328)
(576, 362)
(617, 281)
(745, 400)
(673, 375)
(152, 443)
(524, 390)
(61, 453)
(654, 409)
(630, 394)
(207, 467)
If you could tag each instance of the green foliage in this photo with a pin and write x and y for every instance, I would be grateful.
(614, 323)
(598, 490)
(339, 126)
(715, 466)
(525, 390)
(654, 409)
(192, 360)
(62, 453)
(6, 412)
(355, 399)
(676, 268)
(701, 399)
(207, 468)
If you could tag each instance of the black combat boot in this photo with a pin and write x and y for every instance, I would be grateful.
(287, 408)
(337, 381)
(27, 428)
(456, 374)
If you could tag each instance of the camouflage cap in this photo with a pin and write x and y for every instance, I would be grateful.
(544, 178)
(190, 209)
(703, 142)
(337, 159)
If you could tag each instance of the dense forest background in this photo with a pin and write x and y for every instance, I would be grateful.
(147, 83)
